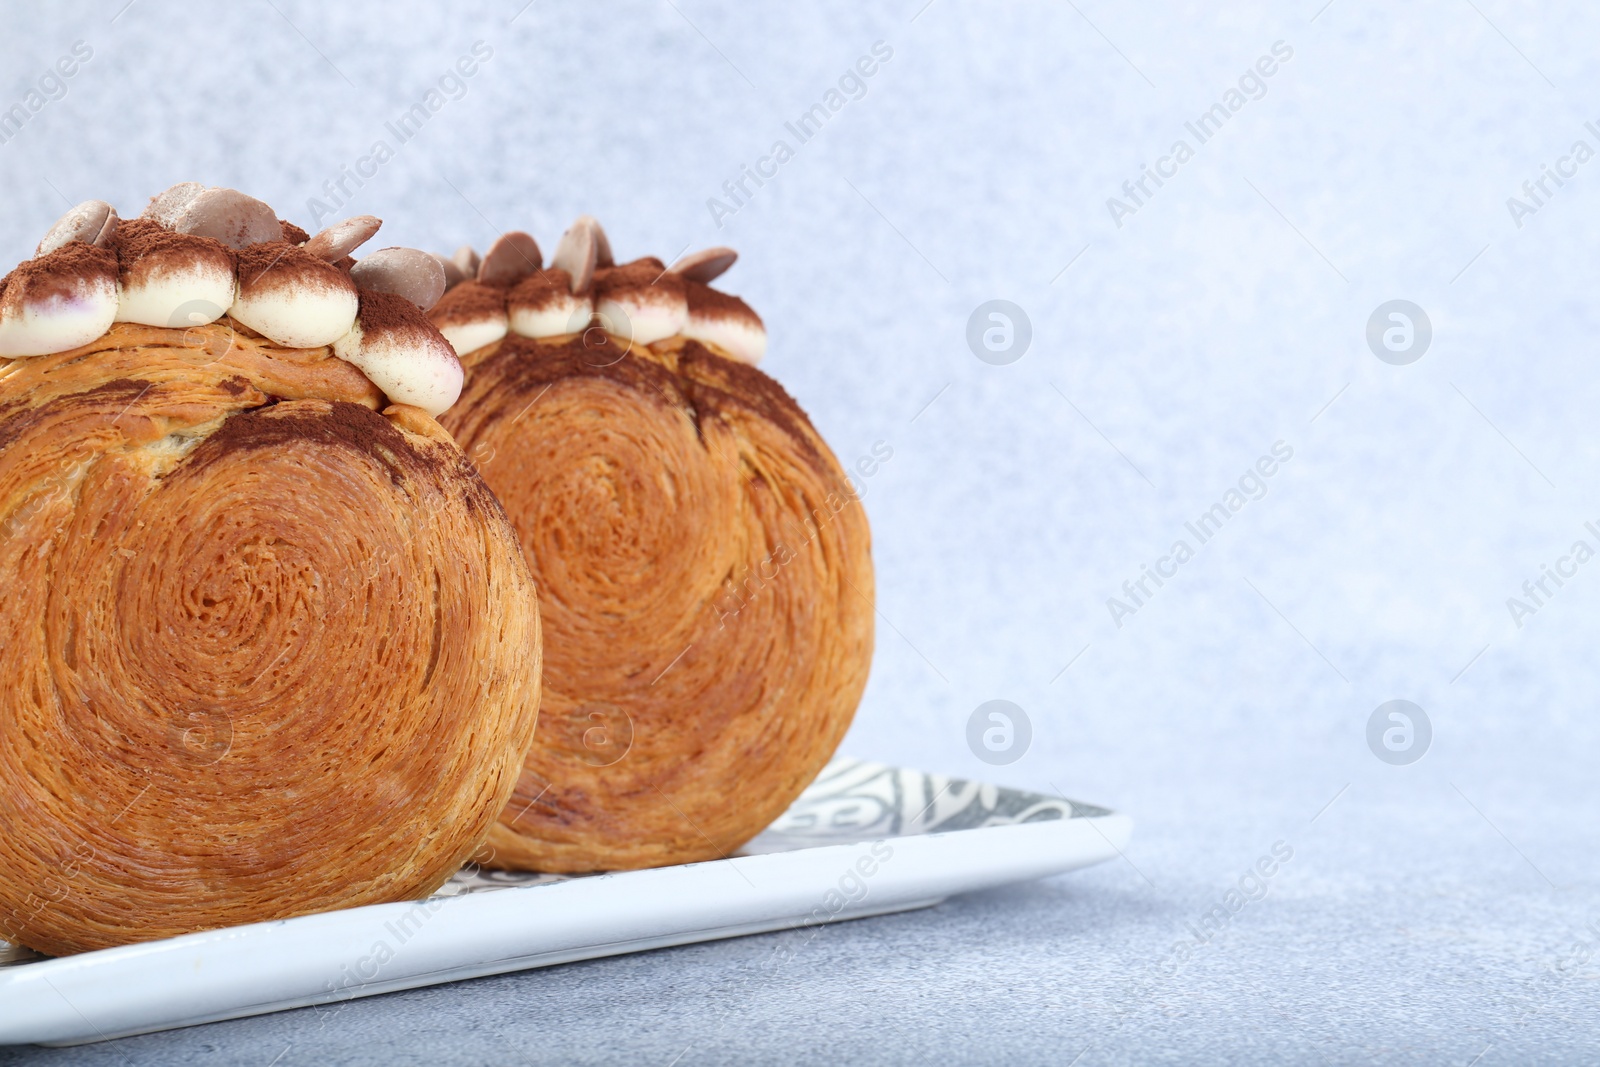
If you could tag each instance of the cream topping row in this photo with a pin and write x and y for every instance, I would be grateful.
(198, 254)
(510, 290)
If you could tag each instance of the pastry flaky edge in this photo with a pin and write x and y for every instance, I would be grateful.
(704, 565)
(269, 644)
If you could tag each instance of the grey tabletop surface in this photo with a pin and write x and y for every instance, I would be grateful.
(1202, 213)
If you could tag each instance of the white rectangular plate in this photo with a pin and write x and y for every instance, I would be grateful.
(865, 839)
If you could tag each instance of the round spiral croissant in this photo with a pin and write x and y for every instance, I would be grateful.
(703, 566)
(268, 646)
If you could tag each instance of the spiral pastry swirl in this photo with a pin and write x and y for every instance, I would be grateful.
(269, 645)
(705, 586)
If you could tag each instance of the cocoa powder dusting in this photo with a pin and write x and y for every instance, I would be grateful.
(640, 274)
(542, 288)
(525, 365)
(57, 273)
(146, 239)
(704, 385)
(293, 234)
(468, 302)
(381, 312)
(279, 263)
(352, 426)
(706, 301)
(712, 382)
(18, 417)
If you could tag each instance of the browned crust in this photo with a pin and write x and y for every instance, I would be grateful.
(265, 653)
(705, 570)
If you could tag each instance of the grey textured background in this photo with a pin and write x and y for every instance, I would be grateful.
(1433, 913)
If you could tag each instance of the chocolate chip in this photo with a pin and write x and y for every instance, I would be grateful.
(229, 216)
(92, 222)
(169, 206)
(406, 272)
(578, 252)
(342, 238)
(466, 260)
(705, 265)
(453, 275)
(511, 258)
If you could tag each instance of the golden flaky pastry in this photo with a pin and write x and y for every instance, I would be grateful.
(269, 646)
(703, 565)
